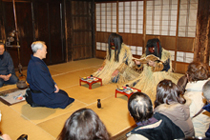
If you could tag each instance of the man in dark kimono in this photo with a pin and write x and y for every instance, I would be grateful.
(43, 89)
(7, 71)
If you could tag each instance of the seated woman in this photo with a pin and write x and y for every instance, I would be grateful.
(154, 70)
(170, 102)
(196, 76)
(84, 124)
(117, 65)
(150, 126)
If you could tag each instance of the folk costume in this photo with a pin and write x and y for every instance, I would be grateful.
(150, 76)
(7, 67)
(118, 57)
(42, 86)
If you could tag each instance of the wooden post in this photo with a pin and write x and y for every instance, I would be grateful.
(202, 40)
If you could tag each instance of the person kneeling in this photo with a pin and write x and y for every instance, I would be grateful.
(43, 90)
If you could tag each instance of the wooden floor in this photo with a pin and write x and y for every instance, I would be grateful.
(45, 124)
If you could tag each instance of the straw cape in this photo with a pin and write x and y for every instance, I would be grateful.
(148, 80)
(126, 73)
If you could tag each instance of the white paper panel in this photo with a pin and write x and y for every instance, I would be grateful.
(98, 46)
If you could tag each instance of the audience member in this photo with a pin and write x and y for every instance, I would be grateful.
(117, 65)
(84, 124)
(197, 75)
(154, 71)
(7, 71)
(43, 90)
(206, 93)
(170, 102)
(150, 126)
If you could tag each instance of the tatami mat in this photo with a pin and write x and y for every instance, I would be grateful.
(14, 124)
(42, 123)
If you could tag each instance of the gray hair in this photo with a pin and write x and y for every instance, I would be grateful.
(206, 90)
(37, 45)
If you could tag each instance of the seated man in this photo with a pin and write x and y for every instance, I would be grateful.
(150, 126)
(117, 66)
(7, 71)
(43, 90)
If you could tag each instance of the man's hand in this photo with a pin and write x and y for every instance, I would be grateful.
(57, 89)
(6, 77)
(137, 62)
(2, 76)
(151, 63)
(115, 73)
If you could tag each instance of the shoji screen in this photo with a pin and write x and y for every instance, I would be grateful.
(106, 21)
(161, 20)
(187, 26)
(130, 20)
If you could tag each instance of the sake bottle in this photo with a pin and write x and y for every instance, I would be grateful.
(99, 103)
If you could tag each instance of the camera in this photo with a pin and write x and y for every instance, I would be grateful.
(22, 137)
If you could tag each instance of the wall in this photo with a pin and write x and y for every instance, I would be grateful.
(174, 22)
(35, 20)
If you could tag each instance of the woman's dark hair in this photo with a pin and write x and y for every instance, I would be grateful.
(84, 124)
(117, 40)
(140, 107)
(197, 71)
(167, 91)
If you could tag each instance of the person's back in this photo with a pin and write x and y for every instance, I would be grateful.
(206, 94)
(197, 74)
(150, 126)
(169, 101)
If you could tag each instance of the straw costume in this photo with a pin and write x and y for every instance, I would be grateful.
(150, 76)
(118, 59)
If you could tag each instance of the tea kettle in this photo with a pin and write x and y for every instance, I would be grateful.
(21, 84)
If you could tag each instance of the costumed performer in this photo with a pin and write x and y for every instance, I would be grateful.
(7, 70)
(43, 90)
(154, 71)
(117, 67)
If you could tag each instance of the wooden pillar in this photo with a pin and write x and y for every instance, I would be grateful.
(201, 51)
(2, 27)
